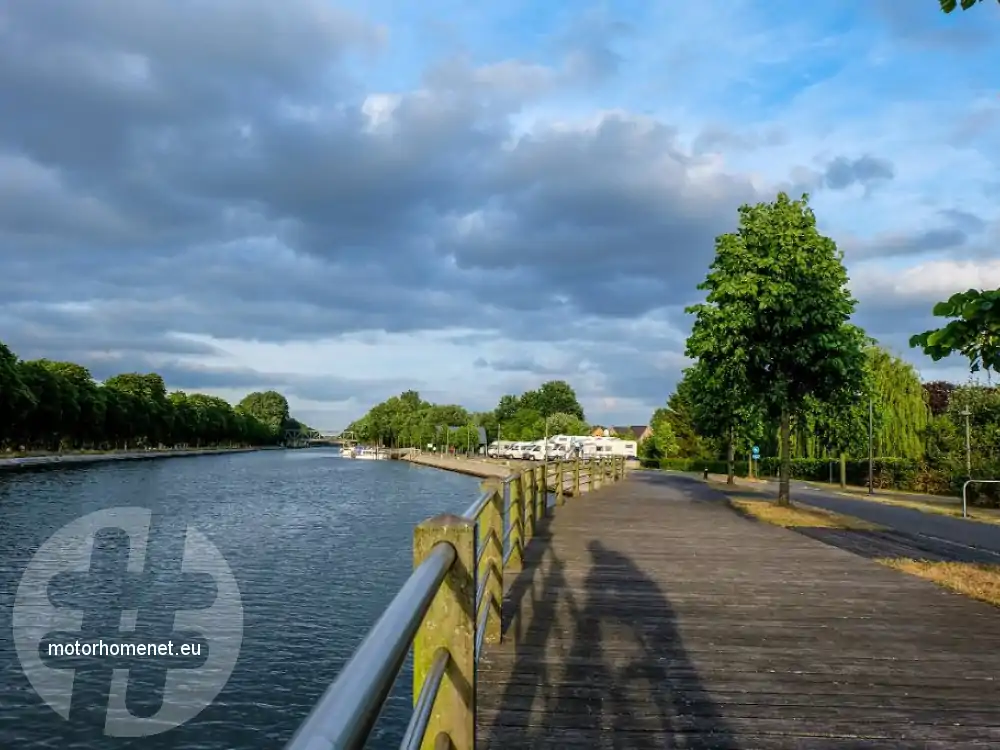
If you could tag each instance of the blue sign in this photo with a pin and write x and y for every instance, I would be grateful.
(756, 451)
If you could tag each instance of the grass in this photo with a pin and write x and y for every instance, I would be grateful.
(975, 580)
(946, 506)
(797, 516)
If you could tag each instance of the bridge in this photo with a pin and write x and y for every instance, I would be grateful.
(297, 437)
(584, 606)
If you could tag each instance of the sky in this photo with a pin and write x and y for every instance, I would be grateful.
(341, 201)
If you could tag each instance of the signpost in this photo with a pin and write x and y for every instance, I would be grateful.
(755, 456)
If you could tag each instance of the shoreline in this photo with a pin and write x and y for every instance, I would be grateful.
(76, 459)
(469, 466)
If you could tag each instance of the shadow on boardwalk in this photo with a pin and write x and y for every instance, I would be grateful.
(599, 662)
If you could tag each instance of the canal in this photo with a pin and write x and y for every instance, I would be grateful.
(317, 545)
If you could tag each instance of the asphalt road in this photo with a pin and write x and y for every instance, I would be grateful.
(943, 529)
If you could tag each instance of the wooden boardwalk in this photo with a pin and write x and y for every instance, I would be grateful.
(650, 615)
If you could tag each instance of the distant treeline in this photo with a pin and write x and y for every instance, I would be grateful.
(48, 406)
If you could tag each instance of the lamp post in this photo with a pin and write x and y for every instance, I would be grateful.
(545, 446)
(966, 412)
(871, 447)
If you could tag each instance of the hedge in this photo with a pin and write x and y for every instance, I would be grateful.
(903, 474)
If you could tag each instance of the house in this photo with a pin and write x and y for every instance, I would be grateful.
(641, 431)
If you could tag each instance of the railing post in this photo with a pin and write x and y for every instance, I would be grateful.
(516, 525)
(541, 492)
(528, 498)
(450, 624)
(491, 541)
(597, 474)
(576, 478)
(560, 478)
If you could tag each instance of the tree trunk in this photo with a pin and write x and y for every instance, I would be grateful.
(784, 492)
(843, 471)
(731, 460)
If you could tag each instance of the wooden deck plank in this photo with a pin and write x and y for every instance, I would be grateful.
(648, 614)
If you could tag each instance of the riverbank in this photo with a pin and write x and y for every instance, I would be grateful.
(74, 459)
(476, 467)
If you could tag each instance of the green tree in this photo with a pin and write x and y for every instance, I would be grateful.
(722, 405)
(47, 405)
(553, 397)
(563, 423)
(680, 406)
(975, 332)
(268, 407)
(506, 408)
(662, 443)
(778, 307)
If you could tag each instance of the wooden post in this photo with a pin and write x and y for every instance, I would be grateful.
(491, 541)
(560, 478)
(451, 624)
(542, 494)
(516, 525)
(576, 478)
(597, 474)
(528, 498)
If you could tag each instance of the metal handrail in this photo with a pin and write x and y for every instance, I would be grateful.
(965, 501)
(473, 512)
(348, 709)
(417, 728)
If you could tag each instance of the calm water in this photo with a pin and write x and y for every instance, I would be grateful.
(317, 544)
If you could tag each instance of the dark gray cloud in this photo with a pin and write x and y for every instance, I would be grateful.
(842, 172)
(957, 229)
(170, 174)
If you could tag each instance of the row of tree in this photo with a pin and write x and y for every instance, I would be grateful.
(407, 420)
(50, 406)
(779, 363)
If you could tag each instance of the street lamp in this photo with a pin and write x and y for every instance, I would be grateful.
(871, 447)
(966, 412)
(545, 447)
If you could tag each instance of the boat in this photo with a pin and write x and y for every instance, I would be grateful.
(371, 454)
(347, 452)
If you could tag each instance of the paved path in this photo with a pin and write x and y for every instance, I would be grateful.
(947, 529)
(650, 615)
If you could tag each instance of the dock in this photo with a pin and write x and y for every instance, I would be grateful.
(650, 615)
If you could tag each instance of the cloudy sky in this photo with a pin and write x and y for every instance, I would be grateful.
(342, 201)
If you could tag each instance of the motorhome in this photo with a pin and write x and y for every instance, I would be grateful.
(606, 447)
(499, 449)
(514, 450)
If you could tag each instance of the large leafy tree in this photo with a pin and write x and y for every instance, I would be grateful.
(269, 407)
(722, 405)
(974, 331)
(778, 308)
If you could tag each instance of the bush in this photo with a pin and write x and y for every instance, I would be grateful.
(698, 465)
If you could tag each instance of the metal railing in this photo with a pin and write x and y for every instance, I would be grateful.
(965, 500)
(448, 609)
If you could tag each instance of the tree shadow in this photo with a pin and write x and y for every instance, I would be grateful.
(611, 672)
